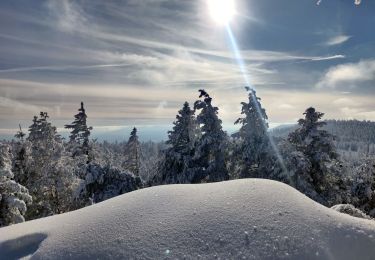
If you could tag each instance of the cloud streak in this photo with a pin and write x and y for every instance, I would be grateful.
(349, 74)
(336, 40)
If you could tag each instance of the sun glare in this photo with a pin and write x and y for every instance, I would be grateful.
(221, 11)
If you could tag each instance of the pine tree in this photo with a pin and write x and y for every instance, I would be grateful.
(47, 178)
(80, 132)
(211, 148)
(133, 153)
(20, 134)
(318, 148)
(14, 197)
(105, 181)
(363, 187)
(177, 165)
(44, 138)
(254, 142)
(22, 157)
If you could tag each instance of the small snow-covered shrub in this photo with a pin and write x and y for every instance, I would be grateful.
(350, 210)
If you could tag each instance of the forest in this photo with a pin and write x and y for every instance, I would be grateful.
(42, 174)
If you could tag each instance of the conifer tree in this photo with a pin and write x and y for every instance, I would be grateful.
(80, 132)
(363, 187)
(47, 178)
(20, 134)
(177, 165)
(133, 153)
(211, 147)
(43, 137)
(318, 148)
(22, 157)
(254, 143)
(14, 197)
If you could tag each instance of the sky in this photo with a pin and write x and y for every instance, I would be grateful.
(135, 62)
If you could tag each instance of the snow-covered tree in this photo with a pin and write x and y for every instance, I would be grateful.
(211, 147)
(350, 210)
(105, 182)
(80, 133)
(317, 147)
(14, 197)
(253, 149)
(177, 165)
(133, 153)
(49, 176)
(22, 157)
(363, 187)
(152, 158)
(43, 138)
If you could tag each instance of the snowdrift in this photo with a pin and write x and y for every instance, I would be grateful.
(242, 219)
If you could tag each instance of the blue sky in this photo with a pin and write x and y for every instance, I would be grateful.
(135, 62)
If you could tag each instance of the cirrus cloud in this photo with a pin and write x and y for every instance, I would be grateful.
(336, 40)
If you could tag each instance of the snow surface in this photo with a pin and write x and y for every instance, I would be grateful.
(241, 219)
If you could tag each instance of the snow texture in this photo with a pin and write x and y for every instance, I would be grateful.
(241, 219)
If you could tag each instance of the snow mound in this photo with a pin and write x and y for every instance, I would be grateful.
(241, 219)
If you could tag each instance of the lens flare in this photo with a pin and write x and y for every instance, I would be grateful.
(242, 66)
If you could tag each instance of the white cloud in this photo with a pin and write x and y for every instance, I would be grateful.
(336, 40)
(356, 2)
(16, 106)
(348, 74)
(68, 14)
(345, 102)
(286, 106)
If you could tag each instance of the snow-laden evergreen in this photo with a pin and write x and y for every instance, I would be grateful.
(104, 182)
(133, 153)
(177, 165)
(22, 157)
(211, 148)
(14, 197)
(350, 210)
(80, 132)
(317, 157)
(363, 188)
(50, 176)
(253, 148)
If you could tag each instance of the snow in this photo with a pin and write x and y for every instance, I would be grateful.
(241, 219)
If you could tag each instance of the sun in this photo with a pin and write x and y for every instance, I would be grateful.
(221, 11)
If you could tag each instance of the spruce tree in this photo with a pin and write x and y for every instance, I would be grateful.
(318, 148)
(80, 132)
(20, 134)
(22, 157)
(133, 153)
(211, 148)
(363, 187)
(14, 197)
(254, 145)
(49, 177)
(43, 137)
(177, 164)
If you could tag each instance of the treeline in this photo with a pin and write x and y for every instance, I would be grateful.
(42, 174)
(354, 139)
